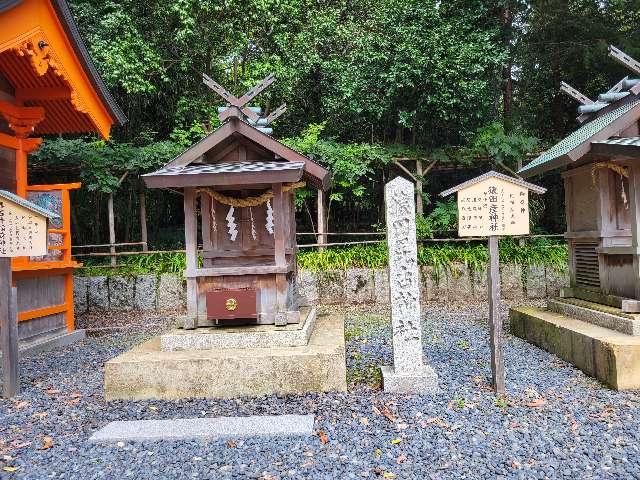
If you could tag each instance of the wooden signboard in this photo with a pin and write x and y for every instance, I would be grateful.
(494, 205)
(23, 232)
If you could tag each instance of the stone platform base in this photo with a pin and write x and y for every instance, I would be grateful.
(610, 356)
(147, 372)
(418, 383)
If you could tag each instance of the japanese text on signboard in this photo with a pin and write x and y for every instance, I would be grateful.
(493, 207)
(22, 232)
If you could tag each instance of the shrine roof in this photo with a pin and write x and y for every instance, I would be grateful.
(27, 204)
(624, 146)
(234, 128)
(493, 174)
(578, 143)
(44, 59)
(634, 141)
(224, 174)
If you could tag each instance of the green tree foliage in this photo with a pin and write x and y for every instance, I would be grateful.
(385, 70)
(102, 165)
(364, 81)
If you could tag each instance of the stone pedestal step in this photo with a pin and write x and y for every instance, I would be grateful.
(246, 336)
(602, 315)
(608, 355)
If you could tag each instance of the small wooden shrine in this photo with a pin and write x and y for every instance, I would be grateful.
(244, 180)
(602, 189)
(48, 85)
(595, 324)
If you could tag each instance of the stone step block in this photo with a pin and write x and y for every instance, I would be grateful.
(608, 355)
(184, 429)
(246, 336)
(597, 314)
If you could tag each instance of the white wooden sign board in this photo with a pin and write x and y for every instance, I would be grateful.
(493, 207)
(23, 232)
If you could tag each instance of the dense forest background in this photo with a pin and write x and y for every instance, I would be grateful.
(472, 83)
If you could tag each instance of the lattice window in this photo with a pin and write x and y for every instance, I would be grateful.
(586, 264)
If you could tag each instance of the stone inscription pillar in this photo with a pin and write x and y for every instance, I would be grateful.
(409, 373)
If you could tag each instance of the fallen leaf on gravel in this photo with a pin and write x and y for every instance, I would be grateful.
(574, 427)
(76, 395)
(323, 437)
(396, 441)
(607, 411)
(21, 445)
(20, 405)
(52, 391)
(401, 459)
(388, 414)
(515, 464)
(151, 407)
(364, 420)
(268, 476)
(231, 444)
(40, 415)
(538, 402)
(47, 443)
(377, 452)
(434, 421)
(388, 475)
(10, 469)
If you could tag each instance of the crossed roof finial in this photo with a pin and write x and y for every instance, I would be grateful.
(238, 106)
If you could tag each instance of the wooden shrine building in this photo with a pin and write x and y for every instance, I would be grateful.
(48, 85)
(601, 163)
(596, 322)
(245, 181)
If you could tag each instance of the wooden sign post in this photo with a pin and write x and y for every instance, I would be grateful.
(494, 205)
(23, 232)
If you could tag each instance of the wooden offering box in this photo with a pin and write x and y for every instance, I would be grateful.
(242, 182)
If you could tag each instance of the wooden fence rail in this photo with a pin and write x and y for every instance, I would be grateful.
(113, 255)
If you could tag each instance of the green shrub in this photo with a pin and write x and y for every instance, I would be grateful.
(441, 256)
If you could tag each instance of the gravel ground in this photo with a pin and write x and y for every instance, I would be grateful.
(554, 423)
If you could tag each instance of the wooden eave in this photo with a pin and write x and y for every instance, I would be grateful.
(314, 173)
(47, 64)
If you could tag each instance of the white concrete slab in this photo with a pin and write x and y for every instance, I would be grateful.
(205, 428)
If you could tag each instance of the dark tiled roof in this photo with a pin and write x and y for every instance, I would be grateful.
(238, 167)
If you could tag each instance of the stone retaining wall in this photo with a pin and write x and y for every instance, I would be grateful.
(334, 287)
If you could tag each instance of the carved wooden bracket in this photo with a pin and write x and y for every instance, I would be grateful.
(22, 120)
(37, 51)
(42, 57)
